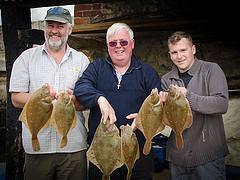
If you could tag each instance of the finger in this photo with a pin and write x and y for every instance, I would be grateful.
(132, 116)
(163, 96)
(110, 128)
(69, 91)
(52, 92)
(104, 119)
(112, 118)
(133, 125)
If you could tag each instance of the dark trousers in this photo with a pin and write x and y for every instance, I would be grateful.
(214, 170)
(143, 170)
(57, 166)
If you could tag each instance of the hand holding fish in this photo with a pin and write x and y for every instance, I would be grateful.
(183, 90)
(133, 117)
(163, 96)
(108, 113)
(53, 93)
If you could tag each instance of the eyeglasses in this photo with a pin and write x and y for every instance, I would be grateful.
(121, 42)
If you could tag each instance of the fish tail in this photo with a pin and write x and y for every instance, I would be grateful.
(35, 143)
(129, 175)
(105, 177)
(63, 142)
(179, 141)
(147, 147)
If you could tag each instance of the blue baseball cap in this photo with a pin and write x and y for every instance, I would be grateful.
(58, 14)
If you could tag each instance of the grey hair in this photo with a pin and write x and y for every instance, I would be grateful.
(116, 27)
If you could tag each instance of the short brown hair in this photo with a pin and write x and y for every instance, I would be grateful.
(177, 36)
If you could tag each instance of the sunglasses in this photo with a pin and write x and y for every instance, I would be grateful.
(121, 42)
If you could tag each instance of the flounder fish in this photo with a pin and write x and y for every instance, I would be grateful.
(129, 148)
(37, 112)
(63, 116)
(177, 114)
(105, 150)
(149, 119)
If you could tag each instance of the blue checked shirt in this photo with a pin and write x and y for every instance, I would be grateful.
(33, 68)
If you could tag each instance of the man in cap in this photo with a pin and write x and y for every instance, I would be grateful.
(58, 65)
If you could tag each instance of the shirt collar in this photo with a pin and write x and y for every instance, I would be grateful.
(67, 53)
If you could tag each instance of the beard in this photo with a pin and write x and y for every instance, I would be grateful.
(56, 45)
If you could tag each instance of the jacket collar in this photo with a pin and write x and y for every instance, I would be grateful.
(135, 63)
(194, 69)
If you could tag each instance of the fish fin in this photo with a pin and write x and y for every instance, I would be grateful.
(91, 156)
(63, 142)
(105, 177)
(129, 174)
(158, 107)
(138, 123)
(138, 151)
(52, 121)
(23, 115)
(35, 143)
(166, 131)
(179, 140)
(160, 129)
(189, 120)
(165, 119)
(48, 123)
(147, 147)
(166, 122)
(74, 121)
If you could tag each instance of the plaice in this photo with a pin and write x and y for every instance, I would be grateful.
(177, 114)
(149, 119)
(129, 148)
(37, 112)
(105, 150)
(63, 116)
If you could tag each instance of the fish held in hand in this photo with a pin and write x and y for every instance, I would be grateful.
(63, 116)
(149, 119)
(105, 150)
(129, 148)
(37, 112)
(177, 114)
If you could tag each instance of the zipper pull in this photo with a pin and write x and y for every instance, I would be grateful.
(203, 135)
(118, 85)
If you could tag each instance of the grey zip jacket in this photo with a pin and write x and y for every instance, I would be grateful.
(207, 93)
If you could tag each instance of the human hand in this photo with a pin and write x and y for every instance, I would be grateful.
(108, 113)
(133, 117)
(53, 93)
(183, 90)
(70, 94)
(78, 106)
(163, 96)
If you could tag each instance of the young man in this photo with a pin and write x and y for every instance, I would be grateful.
(205, 87)
(115, 87)
(58, 65)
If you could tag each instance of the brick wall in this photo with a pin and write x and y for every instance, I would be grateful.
(84, 13)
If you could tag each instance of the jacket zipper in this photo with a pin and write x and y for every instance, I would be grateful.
(119, 84)
(203, 136)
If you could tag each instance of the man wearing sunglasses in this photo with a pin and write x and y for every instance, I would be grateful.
(58, 65)
(115, 87)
